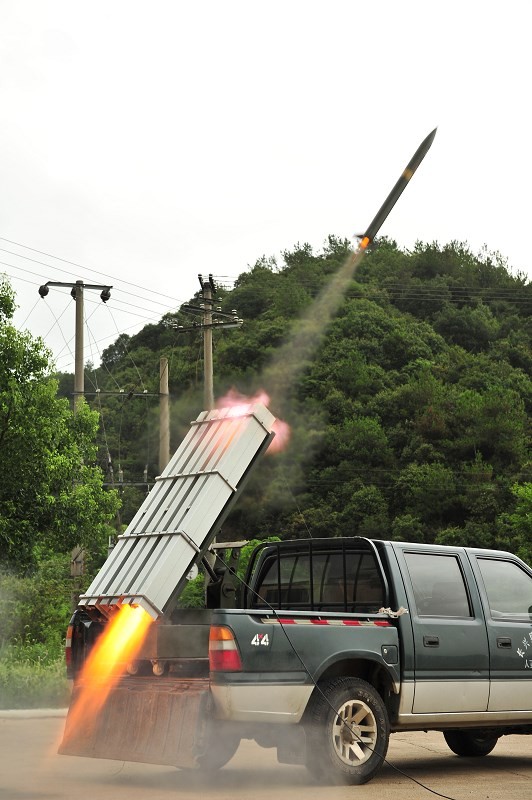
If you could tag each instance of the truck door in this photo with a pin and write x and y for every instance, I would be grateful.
(508, 604)
(450, 640)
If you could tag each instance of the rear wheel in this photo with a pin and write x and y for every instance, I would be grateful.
(219, 746)
(347, 731)
(470, 743)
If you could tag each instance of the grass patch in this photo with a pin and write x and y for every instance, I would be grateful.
(32, 676)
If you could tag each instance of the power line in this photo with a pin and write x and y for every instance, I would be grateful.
(96, 307)
(153, 319)
(126, 349)
(80, 266)
(30, 312)
(176, 301)
(167, 309)
(112, 335)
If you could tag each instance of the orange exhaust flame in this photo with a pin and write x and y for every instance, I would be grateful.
(117, 645)
(239, 404)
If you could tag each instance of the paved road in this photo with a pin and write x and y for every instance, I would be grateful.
(31, 770)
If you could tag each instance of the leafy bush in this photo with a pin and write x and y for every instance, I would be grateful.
(35, 608)
(32, 676)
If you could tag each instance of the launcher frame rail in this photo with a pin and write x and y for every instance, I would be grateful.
(178, 520)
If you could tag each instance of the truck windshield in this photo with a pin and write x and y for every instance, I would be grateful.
(338, 580)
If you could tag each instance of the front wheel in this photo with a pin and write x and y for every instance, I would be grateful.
(470, 743)
(347, 731)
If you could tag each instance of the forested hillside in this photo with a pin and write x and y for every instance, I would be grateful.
(410, 421)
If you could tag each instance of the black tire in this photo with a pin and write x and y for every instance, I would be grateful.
(470, 743)
(347, 731)
(219, 747)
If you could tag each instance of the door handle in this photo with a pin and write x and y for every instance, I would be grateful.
(431, 641)
(504, 643)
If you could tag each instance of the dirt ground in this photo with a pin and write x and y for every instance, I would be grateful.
(32, 770)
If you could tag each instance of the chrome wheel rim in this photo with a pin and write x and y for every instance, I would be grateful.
(354, 733)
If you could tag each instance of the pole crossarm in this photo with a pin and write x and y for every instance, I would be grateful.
(201, 310)
(77, 289)
(120, 392)
(78, 283)
(199, 326)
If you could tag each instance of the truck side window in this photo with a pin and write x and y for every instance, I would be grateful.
(508, 588)
(438, 584)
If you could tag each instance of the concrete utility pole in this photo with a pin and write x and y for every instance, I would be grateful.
(208, 387)
(164, 415)
(213, 317)
(79, 365)
(77, 560)
(76, 291)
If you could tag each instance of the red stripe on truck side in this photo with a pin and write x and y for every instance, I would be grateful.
(381, 623)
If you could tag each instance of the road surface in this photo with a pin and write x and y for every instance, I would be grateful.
(31, 770)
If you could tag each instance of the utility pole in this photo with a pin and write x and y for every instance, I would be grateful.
(212, 317)
(77, 558)
(76, 291)
(208, 289)
(164, 415)
(79, 365)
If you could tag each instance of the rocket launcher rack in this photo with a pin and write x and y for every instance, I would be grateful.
(181, 516)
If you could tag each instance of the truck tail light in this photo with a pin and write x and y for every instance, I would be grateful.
(223, 650)
(68, 650)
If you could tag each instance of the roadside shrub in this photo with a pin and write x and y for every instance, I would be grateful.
(32, 676)
(35, 608)
(34, 614)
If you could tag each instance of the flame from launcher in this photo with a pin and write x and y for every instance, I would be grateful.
(240, 403)
(117, 645)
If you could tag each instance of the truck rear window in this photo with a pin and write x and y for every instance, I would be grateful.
(320, 581)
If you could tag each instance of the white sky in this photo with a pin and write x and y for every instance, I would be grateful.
(150, 141)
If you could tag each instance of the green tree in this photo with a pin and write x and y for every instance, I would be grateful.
(516, 527)
(426, 491)
(410, 420)
(471, 328)
(51, 494)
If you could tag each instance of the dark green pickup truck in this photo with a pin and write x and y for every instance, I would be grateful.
(337, 644)
(327, 647)
(369, 637)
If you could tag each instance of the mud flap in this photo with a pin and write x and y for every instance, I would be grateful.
(153, 721)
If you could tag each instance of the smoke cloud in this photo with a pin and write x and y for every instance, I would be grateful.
(293, 357)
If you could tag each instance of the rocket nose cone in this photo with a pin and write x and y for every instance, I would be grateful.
(427, 141)
(430, 137)
(421, 152)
